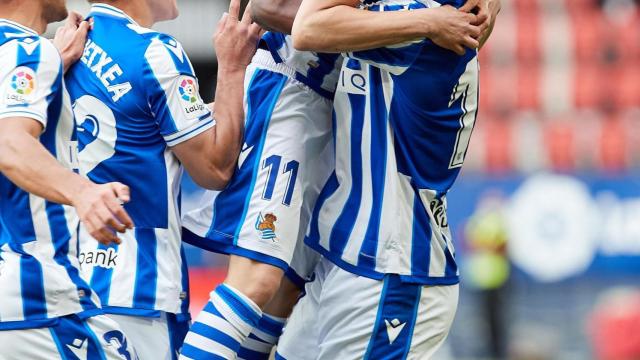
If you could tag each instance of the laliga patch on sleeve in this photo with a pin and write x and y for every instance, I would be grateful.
(190, 99)
(19, 86)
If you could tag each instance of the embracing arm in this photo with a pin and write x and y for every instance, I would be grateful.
(276, 15)
(492, 8)
(25, 162)
(345, 28)
(28, 164)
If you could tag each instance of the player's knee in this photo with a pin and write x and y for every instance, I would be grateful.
(284, 300)
(262, 288)
(258, 281)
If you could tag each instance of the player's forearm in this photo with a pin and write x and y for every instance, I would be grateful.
(25, 162)
(345, 28)
(229, 115)
(275, 15)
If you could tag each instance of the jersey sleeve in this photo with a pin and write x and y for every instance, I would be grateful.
(173, 92)
(28, 86)
(397, 58)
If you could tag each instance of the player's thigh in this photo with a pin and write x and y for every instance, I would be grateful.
(436, 311)
(153, 338)
(361, 318)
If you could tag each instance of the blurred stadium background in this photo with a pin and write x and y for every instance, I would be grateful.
(546, 216)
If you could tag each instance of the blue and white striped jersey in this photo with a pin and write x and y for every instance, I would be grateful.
(135, 95)
(319, 71)
(403, 117)
(39, 269)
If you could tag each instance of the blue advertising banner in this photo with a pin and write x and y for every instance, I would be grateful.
(557, 226)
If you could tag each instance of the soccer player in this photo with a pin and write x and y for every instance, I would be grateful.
(140, 120)
(287, 157)
(46, 310)
(387, 285)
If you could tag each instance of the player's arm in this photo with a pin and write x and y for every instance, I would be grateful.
(345, 28)
(275, 15)
(25, 162)
(491, 8)
(30, 166)
(211, 157)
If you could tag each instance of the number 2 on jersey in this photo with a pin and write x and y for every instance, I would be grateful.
(96, 125)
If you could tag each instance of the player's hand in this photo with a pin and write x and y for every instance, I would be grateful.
(236, 40)
(100, 210)
(455, 29)
(490, 10)
(71, 38)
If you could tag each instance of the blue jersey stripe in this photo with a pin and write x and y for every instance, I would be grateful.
(185, 283)
(231, 205)
(420, 247)
(397, 312)
(327, 191)
(344, 224)
(17, 204)
(101, 278)
(144, 295)
(61, 236)
(34, 303)
(378, 165)
(451, 268)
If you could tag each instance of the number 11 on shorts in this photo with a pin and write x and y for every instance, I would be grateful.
(273, 163)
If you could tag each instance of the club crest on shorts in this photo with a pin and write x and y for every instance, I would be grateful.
(21, 84)
(266, 226)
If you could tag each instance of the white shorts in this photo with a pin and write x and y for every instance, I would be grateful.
(287, 157)
(96, 338)
(349, 317)
(154, 338)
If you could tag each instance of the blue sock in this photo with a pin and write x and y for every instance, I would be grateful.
(223, 325)
(262, 339)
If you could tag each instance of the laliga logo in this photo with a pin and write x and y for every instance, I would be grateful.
(23, 83)
(188, 90)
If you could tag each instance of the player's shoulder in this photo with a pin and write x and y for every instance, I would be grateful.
(166, 54)
(49, 54)
(32, 51)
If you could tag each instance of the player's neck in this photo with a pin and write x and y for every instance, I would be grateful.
(27, 13)
(138, 10)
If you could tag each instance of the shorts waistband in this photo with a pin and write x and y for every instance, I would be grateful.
(265, 59)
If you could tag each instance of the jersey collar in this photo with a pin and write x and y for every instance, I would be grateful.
(18, 26)
(111, 10)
